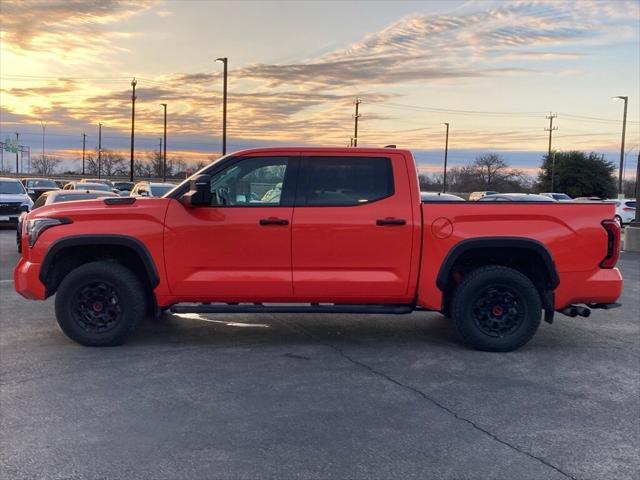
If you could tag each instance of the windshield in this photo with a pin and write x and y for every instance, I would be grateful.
(159, 190)
(10, 187)
(78, 196)
(561, 196)
(92, 186)
(41, 184)
(631, 204)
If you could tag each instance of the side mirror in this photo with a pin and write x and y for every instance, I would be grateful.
(143, 193)
(30, 191)
(199, 193)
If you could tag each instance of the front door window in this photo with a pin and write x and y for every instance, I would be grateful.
(251, 182)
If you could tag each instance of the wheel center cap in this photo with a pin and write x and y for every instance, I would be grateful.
(97, 306)
(497, 310)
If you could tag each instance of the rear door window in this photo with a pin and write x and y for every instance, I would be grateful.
(345, 181)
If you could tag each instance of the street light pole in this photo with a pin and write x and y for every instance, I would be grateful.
(17, 149)
(44, 127)
(133, 124)
(636, 191)
(624, 129)
(84, 140)
(446, 154)
(99, 147)
(164, 156)
(225, 63)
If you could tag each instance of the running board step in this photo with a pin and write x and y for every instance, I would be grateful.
(278, 308)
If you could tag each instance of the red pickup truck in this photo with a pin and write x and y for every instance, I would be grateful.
(318, 230)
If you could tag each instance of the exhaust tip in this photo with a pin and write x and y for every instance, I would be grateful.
(584, 312)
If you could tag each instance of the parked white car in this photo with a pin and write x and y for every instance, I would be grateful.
(625, 209)
(13, 200)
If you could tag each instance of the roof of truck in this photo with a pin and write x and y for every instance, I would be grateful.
(377, 150)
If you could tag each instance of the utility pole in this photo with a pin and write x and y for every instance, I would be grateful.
(17, 149)
(84, 141)
(624, 129)
(99, 147)
(225, 63)
(133, 124)
(355, 126)
(164, 156)
(446, 153)
(551, 128)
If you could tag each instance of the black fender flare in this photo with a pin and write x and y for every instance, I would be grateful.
(497, 242)
(96, 240)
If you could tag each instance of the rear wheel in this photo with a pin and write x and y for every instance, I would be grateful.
(99, 304)
(496, 309)
(618, 219)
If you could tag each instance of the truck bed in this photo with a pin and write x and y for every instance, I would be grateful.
(571, 232)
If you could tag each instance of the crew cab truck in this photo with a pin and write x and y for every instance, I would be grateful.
(318, 230)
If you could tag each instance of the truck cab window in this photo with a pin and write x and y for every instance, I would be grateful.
(251, 182)
(345, 181)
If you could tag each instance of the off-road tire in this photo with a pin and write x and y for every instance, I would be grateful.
(117, 289)
(475, 315)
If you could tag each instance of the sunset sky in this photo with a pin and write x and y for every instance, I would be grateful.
(493, 70)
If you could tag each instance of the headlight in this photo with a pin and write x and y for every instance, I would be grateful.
(35, 227)
(26, 205)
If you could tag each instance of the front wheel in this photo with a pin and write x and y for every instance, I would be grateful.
(99, 304)
(496, 309)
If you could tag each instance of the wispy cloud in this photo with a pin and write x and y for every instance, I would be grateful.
(65, 27)
(310, 101)
(435, 47)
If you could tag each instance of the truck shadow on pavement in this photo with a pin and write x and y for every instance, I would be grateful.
(228, 330)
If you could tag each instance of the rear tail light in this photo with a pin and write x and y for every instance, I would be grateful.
(629, 209)
(613, 243)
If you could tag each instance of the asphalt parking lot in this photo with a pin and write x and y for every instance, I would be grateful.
(318, 396)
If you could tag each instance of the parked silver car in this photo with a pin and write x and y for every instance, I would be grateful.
(14, 200)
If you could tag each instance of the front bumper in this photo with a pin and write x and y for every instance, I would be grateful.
(9, 219)
(26, 280)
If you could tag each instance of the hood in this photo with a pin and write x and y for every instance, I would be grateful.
(96, 210)
(15, 197)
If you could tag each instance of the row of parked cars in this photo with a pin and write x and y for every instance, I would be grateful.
(19, 196)
(625, 207)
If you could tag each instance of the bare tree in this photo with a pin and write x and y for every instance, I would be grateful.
(111, 163)
(155, 161)
(46, 164)
(490, 167)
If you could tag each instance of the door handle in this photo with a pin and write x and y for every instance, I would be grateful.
(391, 221)
(274, 221)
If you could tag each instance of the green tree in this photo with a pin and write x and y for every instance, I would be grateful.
(578, 175)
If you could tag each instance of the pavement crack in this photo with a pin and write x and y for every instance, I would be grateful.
(426, 397)
(448, 410)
